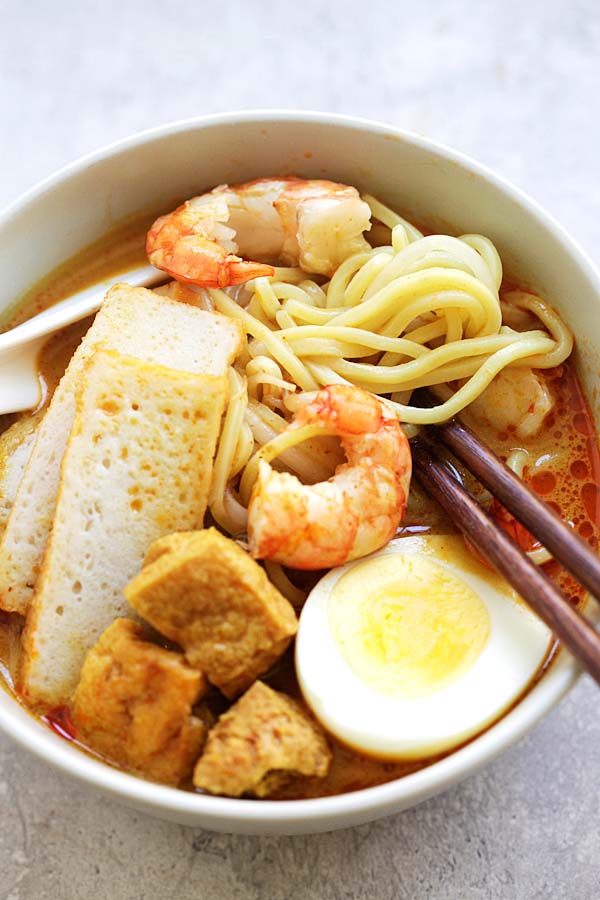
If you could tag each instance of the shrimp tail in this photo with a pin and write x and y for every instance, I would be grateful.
(201, 261)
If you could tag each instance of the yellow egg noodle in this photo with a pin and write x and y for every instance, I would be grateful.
(424, 311)
(517, 460)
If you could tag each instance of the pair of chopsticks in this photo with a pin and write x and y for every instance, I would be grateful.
(575, 632)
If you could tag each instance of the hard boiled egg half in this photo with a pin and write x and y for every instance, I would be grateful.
(410, 651)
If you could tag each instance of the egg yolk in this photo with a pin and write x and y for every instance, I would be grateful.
(407, 626)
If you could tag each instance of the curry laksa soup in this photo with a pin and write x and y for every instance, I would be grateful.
(215, 572)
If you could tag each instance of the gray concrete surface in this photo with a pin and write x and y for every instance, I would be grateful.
(515, 84)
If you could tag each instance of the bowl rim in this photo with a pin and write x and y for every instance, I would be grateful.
(340, 809)
(22, 726)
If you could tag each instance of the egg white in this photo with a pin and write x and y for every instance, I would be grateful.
(398, 727)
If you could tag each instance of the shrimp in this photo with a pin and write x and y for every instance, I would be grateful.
(517, 400)
(313, 224)
(352, 514)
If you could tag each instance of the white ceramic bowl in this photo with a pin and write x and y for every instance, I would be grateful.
(423, 180)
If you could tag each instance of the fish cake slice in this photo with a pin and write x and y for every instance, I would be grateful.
(137, 466)
(132, 321)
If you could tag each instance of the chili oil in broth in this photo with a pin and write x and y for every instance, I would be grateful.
(563, 467)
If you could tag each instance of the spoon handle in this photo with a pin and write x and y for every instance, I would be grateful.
(74, 308)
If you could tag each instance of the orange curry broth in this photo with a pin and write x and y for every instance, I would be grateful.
(564, 469)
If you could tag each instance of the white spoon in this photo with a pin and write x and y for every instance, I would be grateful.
(20, 387)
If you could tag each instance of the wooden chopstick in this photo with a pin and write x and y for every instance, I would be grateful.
(534, 586)
(546, 525)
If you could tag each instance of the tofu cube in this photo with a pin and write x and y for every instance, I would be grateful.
(259, 744)
(201, 590)
(133, 705)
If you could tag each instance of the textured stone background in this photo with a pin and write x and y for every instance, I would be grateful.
(515, 84)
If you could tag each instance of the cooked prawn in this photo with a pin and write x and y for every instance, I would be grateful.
(517, 400)
(313, 224)
(352, 514)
